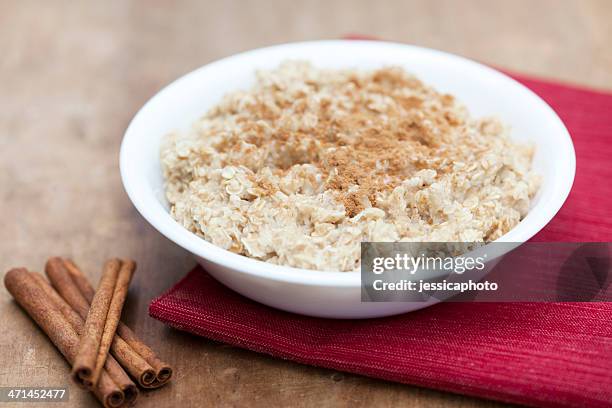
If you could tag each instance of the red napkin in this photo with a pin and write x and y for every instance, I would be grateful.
(544, 354)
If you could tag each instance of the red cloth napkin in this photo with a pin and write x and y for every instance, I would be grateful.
(544, 354)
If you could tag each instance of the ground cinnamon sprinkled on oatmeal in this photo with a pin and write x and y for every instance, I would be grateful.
(308, 163)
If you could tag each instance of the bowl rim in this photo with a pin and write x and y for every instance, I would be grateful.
(163, 222)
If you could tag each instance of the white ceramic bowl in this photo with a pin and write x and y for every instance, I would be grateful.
(334, 294)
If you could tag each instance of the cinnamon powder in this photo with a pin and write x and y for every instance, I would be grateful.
(363, 153)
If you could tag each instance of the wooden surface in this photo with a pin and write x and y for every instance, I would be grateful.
(72, 74)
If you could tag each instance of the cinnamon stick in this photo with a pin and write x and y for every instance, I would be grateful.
(163, 371)
(101, 323)
(114, 370)
(130, 359)
(33, 299)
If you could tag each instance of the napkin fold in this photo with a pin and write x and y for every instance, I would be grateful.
(538, 354)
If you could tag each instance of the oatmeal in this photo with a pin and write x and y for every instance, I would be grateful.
(308, 163)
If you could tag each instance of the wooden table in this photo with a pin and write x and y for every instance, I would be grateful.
(72, 74)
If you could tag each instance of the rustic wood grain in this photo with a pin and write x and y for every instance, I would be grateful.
(72, 74)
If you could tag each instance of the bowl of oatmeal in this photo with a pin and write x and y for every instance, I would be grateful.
(272, 166)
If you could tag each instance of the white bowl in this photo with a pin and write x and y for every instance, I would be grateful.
(334, 294)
